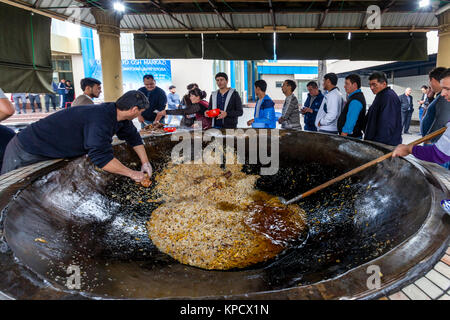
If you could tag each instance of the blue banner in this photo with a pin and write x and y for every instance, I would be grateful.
(133, 71)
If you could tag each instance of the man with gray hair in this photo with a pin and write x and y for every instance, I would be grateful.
(407, 109)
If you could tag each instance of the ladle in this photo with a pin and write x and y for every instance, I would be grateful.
(359, 169)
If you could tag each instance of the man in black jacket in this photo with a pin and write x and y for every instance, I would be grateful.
(383, 120)
(74, 132)
(228, 101)
(407, 109)
(157, 99)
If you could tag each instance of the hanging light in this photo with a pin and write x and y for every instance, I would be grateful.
(349, 36)
(118, 6)
(424, 3)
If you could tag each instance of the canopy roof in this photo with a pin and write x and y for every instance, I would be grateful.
(224, 16)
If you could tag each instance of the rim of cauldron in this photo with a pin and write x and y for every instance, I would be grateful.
(432, 238)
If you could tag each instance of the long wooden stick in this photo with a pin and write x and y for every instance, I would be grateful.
(363, 167)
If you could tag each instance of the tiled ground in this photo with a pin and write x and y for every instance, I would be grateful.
(435, 285)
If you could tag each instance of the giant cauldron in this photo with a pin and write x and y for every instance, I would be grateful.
(388, 218)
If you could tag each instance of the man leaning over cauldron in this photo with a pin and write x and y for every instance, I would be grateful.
(89, 130)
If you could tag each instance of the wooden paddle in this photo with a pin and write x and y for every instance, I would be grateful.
(359, 169)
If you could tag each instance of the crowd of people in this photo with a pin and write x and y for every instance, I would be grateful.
(92, 126)
(64, 89)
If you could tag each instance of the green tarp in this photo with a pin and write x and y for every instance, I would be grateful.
(312, 46)
(361, 46)
(25, 54)
(238, 46)
(389, 46)
(289, 46)
(170, 46)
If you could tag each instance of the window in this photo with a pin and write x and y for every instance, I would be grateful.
(62, 66)
(279, 84)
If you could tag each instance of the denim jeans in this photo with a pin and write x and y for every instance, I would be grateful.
(20, 97)
(48, 97)
(35, 98)
(421, 110)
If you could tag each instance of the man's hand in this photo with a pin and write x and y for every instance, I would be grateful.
(318, 124)
(159, 116)
(309, 110)
(141, 119)
(402, 151)
(147, 168)
(222, 115)
(250, 122)
(137, 176)
(280, 120)
(344, 134)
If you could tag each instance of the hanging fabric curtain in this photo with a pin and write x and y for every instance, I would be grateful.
(167, 46)
(362, 46)
(255, 46)
(25, 54)
(312, 46)
(389, 46)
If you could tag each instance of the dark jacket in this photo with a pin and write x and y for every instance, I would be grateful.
(359, 126)
(193, 112)
(6, 134)
(436, 116)
(233, 110)
(157, 99)
(310, 118)
(384, 119)
(407, 103)
(77, 131)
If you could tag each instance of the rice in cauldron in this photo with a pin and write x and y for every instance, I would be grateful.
(214, 218)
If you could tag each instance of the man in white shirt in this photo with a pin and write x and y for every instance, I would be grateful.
(332, 105)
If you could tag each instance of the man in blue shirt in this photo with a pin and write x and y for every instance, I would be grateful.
(173, 101)
(156, 98)
(312, 106)
(74, 132)
(351, 120)
(62, 93)
(264, 109)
